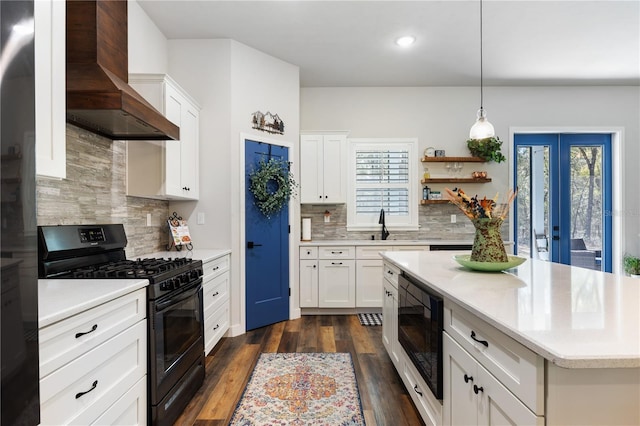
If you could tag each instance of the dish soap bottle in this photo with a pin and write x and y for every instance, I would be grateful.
(425, 193)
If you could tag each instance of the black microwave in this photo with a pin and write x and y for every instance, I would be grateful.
(420, 326)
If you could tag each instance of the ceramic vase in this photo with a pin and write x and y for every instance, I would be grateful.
(487, 244)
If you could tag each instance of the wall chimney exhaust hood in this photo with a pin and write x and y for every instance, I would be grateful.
(99, 97)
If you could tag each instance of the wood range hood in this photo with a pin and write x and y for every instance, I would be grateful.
(99, 97)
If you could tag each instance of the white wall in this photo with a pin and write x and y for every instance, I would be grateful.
(441, 117)
(147, 44)
(231, 81)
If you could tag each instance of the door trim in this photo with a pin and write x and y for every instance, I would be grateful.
(294, 221)
(618, 239)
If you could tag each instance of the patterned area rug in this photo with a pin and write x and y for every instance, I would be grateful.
(301, 389)
(370, 319)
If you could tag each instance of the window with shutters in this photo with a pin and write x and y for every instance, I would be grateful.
(383, 176)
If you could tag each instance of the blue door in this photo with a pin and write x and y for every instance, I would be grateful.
(266, 248)
(564, 198)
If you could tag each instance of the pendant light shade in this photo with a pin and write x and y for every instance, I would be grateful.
(482, 128)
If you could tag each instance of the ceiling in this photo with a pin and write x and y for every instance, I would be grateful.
(351, 43)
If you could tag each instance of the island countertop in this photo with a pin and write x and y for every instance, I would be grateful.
(573, 317)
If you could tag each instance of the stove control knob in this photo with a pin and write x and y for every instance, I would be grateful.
(176, 283)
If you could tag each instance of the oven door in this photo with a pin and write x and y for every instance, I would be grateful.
(420, 326)
(176, 337)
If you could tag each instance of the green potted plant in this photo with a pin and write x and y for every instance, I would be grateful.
(631, 265)
(487, 149)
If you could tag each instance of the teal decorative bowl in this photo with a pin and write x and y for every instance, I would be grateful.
(465, 260)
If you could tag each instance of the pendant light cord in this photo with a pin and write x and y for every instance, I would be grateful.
(481, 74)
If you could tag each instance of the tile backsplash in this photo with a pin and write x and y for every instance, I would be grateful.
(434, 221)
(94, 192)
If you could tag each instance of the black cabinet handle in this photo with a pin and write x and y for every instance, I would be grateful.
(482, 342)
(390, 272)
(79, 394)
(477, 389)
(186, 189)
(216, 268)
(336, 252)
(94, 328)
(215, 294)
(468, 379)
(218, 326)
(415, 388)
(336, 263)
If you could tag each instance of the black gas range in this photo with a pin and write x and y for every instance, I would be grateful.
(175, 312)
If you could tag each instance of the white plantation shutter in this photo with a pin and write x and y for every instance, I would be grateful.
(382, 171)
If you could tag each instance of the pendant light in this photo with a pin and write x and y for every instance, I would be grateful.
(482, 128)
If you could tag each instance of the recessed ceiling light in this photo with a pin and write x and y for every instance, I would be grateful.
(405, 41)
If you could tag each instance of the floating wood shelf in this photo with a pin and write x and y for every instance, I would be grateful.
(455, 180)
(425, 202)
(452, 160)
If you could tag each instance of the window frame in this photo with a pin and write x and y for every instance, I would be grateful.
(370, 222)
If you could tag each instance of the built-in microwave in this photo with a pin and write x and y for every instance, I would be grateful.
(420, 325)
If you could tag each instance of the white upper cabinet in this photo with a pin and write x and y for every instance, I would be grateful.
(51, 156)
(323, 168)
(165, 170)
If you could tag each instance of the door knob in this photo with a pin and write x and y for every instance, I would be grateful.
(251, 244)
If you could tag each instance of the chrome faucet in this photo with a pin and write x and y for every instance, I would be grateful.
(385, 233)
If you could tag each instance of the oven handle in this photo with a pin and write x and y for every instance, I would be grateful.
(194, 288)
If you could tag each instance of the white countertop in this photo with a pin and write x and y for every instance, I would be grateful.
(383, 242)
(199, 254)
(59, 299)
(573, 317)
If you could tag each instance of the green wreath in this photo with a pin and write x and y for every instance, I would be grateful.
(269, 174)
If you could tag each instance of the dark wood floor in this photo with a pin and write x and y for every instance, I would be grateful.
(385, 400)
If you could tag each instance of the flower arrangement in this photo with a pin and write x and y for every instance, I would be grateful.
(475, 208)
(487, 149)
(272, 185)
(487, 217)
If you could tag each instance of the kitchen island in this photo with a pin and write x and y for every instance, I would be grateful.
(562, 343)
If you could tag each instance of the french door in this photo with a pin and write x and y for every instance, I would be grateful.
(564, 198)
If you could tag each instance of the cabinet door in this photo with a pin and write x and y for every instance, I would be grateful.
(336, 284)
(498, 406)
(173, 151)
(459, 399)
(390, 322)
(50, 88)
(335, 169)
(311, 164)
(189, 136)
(308, 283)
(369, 283)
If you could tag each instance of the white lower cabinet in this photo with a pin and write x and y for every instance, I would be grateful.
(428, 406)
(368, 283)
(337, 283)
(390, 314)
(102, 376)
(215, 290)
(308, 283)
(473, 396)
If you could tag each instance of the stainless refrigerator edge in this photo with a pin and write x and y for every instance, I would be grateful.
(19, 403)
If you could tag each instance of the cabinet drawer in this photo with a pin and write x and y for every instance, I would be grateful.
(215, 292)
(64, 341)
(391, 273)
(515, 366)
(328, 253)
(103, 374)
(215, 325)
(411, 248)
(308, 252)
(130, 409)
(372, 252)
(429, 407)
(216, 266)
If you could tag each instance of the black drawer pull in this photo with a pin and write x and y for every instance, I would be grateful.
(94, 328)
(415, 388)
(477, 389)
(468, 379)
(390, 272)
(216, 268)
(215, 294)
(79, 394)
(482, 342)
(336, 252)
(336, 263)
(216, 327)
